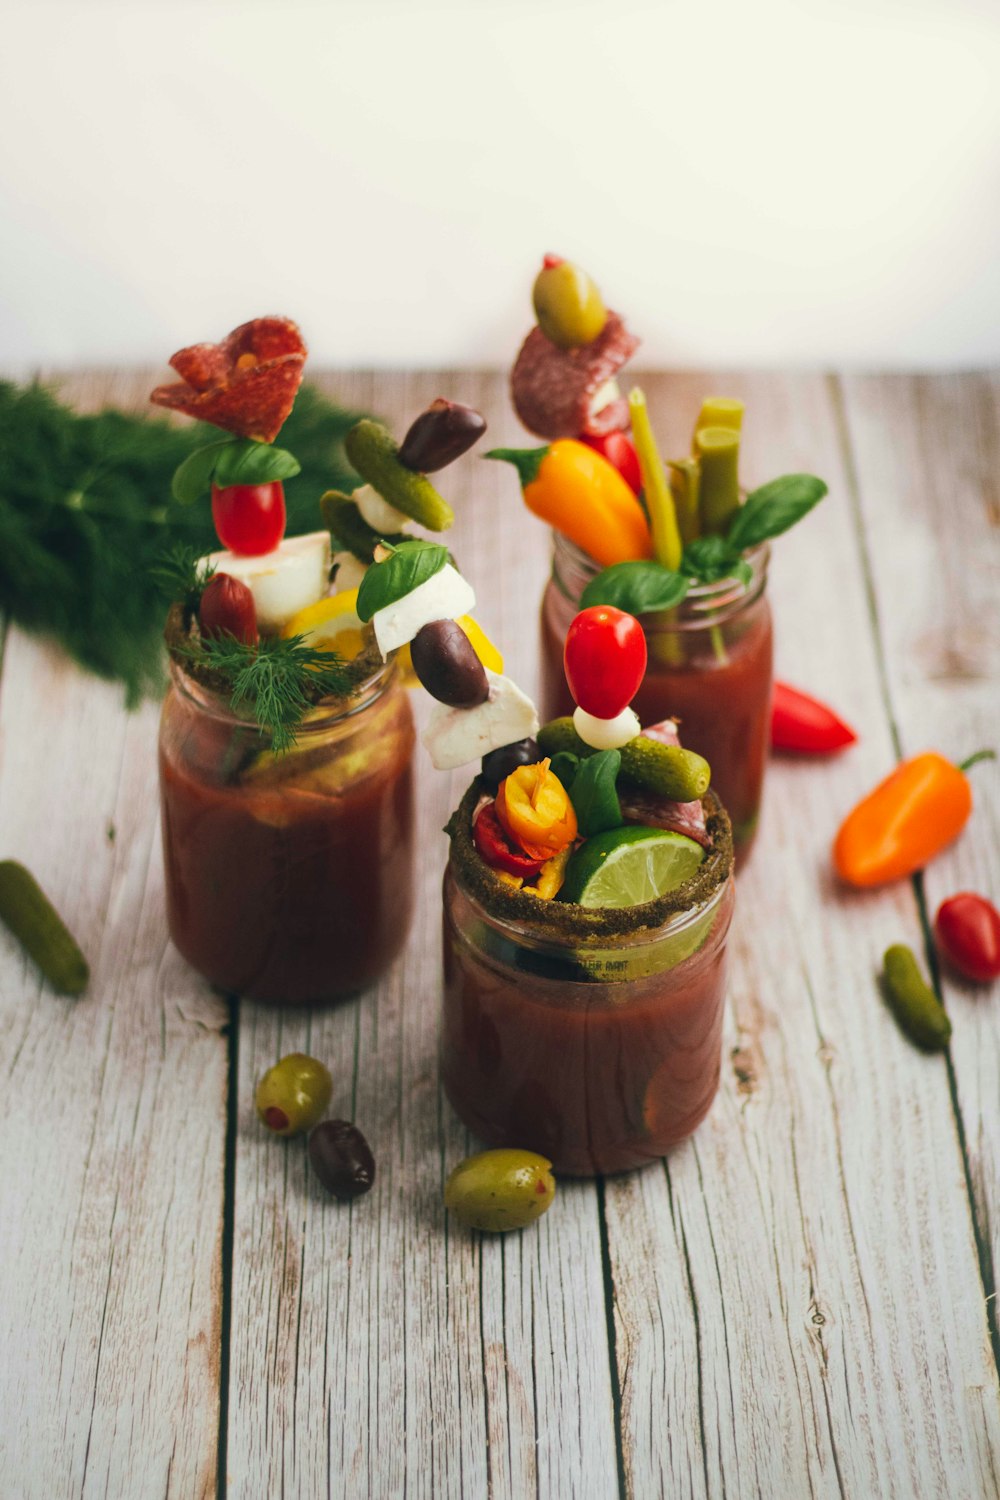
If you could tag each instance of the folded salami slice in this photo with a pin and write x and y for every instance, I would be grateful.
(245, 385)
(552, 389)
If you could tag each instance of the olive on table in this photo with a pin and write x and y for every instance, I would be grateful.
(567, 304)
(497, 764)
(342, 1159)
(293, 1094)
(442, 433)
(500, 1190)
(447, 665)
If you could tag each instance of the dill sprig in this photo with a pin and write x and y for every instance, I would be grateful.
(182, 574)
(278, 677)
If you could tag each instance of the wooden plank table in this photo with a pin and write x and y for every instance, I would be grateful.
(799, 1301)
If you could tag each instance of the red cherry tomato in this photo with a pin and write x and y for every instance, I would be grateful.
(249, 518)
(967, 931)
(618, 449)
(227, 608)
(605, 658)
(495, 848)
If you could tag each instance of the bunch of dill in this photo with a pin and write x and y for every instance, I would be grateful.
(87, 520)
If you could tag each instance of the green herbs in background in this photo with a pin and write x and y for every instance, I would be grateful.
(87, 518)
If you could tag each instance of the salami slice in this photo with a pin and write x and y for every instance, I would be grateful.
(552, 388)
(650, 811)
(245, 385)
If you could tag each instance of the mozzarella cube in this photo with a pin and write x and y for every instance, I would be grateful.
(380, 515)
(443, 596)
(456, 736)
(606, 734)
(284, 581)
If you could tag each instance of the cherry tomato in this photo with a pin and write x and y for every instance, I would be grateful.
(227, 608)
(249, 518)
(495, 849)
(618, 449)
(605, 659)
(967, 931)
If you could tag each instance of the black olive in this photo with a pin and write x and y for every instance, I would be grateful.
(448, 667)
(498, 764)
(342, 1159)
(439, 435)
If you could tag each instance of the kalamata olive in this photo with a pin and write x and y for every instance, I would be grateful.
(498, 764)
(293, 1094)
(442, 433)
(567, 304)
(227, 608)
(342, 1159)
(500, 1190)
(447, 665)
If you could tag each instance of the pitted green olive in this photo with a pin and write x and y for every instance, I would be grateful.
(567, 304)
(292, 1096)
(500, 1190)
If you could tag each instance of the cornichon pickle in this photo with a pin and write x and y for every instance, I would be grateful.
(500, 1190)
(567, 304)
(373, 451)
(914, 1004)
(667, 770)
(40, 930)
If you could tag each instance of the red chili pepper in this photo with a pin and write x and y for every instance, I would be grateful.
(804, 725)
(619, 451)
(496, 850)
(967, 930)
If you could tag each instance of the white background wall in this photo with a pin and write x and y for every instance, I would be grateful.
(762, 182)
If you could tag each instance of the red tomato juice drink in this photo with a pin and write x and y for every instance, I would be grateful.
(289, 878)
(591, 1036)
(710, 666)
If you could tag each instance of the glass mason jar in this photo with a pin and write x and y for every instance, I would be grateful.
(289, 877)
(593, 1037)
(710, 666)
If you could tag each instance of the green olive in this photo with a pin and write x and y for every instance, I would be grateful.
(568, 305)
(500, 1190)
(292, 1096)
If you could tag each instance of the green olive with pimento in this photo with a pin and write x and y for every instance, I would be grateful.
(293, 1095)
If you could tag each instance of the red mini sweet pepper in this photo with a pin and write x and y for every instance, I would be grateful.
(619, 450)
(804, 725)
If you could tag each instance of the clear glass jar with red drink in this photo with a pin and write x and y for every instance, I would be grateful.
(710, 666)
(591, 1036)
(289, 877)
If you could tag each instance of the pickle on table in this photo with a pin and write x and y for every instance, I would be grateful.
(912, 1001)
(41, 931)
(373, 451)
(668, 770)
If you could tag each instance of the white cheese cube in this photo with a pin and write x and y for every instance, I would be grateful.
(456, 736)
(443, 596)
(380, 515)
(606, 734)
(350, 571)
(284, 581)
(603, 396)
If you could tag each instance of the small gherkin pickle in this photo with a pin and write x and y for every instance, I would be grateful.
(914, 1004)
(567, 304)
(666, 770)
(373, 451)
(349, 531)
(293, 1095)
(500, 1190)
(34, 921)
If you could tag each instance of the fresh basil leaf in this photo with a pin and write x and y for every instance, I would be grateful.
(641, 588)
(594, 795)
(406, 568)
(564, 765)
(249, 462)
(773, 508)
(711, 558)
(193, 477)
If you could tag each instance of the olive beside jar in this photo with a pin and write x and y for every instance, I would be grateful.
(710, 666)
(289, 877)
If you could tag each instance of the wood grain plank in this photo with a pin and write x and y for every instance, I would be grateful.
(797, 1294)
(378, 1348)
(112, 1148)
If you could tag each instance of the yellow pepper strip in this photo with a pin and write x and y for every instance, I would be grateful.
(659, 500)
(481, 643)
(517, 881)
(719, 455)
(535, 811)
(578, 492)
(718, 411)
(550, 876)
(685, 484)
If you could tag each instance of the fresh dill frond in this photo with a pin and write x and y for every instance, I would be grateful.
(277, 677)
(182, 574)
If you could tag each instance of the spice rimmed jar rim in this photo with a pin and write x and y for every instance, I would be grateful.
(726, 595)
(566, 924)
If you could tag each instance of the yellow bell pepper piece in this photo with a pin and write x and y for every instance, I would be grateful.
(579, 493)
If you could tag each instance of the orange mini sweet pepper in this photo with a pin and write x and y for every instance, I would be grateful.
(535, 811)
(910, 816)
(576, 490)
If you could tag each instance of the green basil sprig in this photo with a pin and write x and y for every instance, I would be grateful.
(231, 461)
(641, 588)
(593, 793)
(408, 566)
(564, 766)
(774, 508)
(709, 558)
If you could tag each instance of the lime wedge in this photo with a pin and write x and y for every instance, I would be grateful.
(629, 866)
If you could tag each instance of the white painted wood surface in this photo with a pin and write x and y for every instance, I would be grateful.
(795, 1304)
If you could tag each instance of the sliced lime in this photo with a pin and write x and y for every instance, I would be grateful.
(629, 866)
